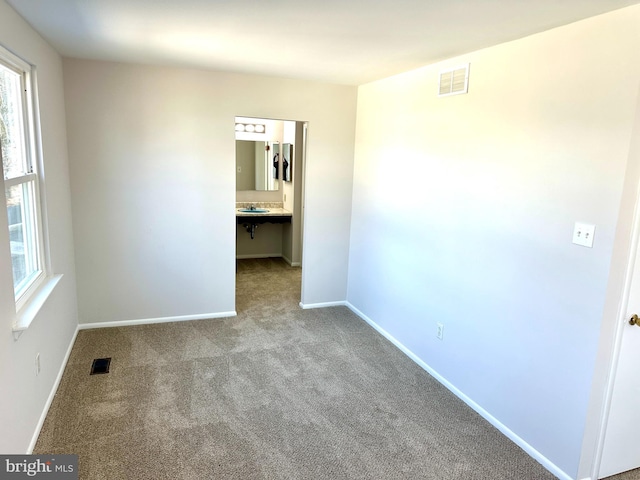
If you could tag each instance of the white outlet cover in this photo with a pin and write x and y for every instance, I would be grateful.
(583, 234)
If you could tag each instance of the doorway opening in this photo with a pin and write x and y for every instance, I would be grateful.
(270, 171)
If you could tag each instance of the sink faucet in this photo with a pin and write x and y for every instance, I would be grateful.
(252, 207)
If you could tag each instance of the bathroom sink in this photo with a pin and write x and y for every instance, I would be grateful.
(256, 210)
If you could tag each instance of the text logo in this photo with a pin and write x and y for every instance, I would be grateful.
(51, 467)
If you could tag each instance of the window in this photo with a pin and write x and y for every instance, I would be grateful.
(19, 165)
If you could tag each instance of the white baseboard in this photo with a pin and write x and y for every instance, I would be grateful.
(145, 321)
(269, 255)
(52, 394)
(544, 461)
(291, 262)
(306, 306)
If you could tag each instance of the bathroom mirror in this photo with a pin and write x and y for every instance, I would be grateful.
(257, 165)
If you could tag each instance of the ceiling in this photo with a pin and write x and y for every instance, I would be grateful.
(338, 41)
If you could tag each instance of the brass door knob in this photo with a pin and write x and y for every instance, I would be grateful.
(634, 320)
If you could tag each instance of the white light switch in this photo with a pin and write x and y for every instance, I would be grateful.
(583, 234)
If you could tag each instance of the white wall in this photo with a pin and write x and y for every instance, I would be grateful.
(24, 394)
(153, 185)
(478, 235)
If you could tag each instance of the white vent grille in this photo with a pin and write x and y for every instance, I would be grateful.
(454, 81)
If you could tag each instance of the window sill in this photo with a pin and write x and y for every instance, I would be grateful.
(29, 311)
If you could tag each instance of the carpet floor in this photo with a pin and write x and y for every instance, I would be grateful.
(275, 393)
(630, 475)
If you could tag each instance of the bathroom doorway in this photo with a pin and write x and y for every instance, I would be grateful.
(270, 172)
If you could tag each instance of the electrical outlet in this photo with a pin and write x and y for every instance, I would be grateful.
(583, 234)
(440, 331)
(37, 364)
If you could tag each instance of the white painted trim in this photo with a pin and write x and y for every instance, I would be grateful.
(307, 306)
(259, 255)
(27, 177)
(486, 415)
(52, 394)
(35, 303)
(290, 262)
(145, 321)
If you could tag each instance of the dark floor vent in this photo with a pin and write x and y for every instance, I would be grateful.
(100, 365)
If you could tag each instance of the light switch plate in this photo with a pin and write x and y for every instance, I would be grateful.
(583, 234)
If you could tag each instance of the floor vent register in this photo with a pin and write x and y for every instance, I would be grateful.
(100, 365)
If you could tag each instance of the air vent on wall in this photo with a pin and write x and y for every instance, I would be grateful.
(454, 81)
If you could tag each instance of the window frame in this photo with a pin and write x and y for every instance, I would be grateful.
(33, 158)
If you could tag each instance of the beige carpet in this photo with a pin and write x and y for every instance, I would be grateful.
(631, 475)
(274, 393)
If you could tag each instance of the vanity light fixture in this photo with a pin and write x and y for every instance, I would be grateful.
(250, 127)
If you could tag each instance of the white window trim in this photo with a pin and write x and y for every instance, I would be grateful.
(23, 297)
(36, 301)
(31, 300)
